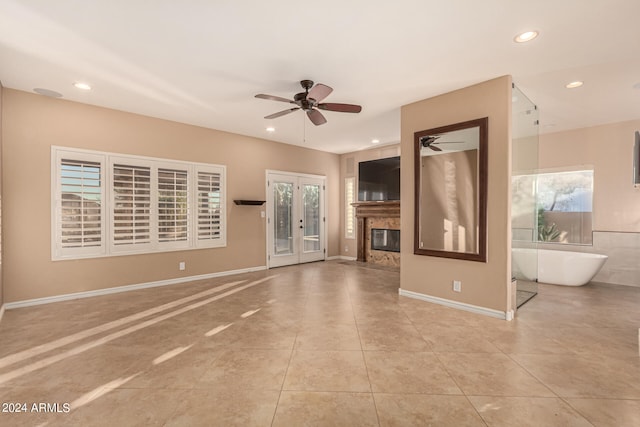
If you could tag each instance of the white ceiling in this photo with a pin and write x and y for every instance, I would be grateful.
(202, 61)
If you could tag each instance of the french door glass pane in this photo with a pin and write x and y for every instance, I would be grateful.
(311, 203)
(282, 224)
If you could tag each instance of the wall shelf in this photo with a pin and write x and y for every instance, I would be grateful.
(249, 202)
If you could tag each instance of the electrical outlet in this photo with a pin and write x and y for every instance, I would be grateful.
(457, 286)
(182, 265)
(346, 248)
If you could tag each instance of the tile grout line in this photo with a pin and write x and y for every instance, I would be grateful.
(437, 355)
(587, 419)
(284, 378)
(364, 359)
(532, 375)
(557, 396)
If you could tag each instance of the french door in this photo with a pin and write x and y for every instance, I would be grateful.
(295, 218)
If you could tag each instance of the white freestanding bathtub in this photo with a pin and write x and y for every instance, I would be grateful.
(557, 267)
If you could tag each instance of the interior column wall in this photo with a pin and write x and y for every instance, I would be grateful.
(484, 285)
(1, 200)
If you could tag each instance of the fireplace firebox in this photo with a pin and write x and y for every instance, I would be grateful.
(383, 239)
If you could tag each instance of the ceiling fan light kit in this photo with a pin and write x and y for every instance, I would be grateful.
(309, 101)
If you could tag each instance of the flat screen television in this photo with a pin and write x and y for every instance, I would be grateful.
(379, 180)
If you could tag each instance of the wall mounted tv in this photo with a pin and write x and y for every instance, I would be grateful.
(379, 180)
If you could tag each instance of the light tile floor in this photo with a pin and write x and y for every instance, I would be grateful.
(327, 344)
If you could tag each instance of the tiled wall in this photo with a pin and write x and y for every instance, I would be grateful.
(623, 250)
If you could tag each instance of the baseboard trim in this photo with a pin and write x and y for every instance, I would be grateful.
(125, 288)
(455, 304)
(342, 258)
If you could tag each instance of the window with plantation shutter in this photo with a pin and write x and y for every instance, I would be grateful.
(209, 195)
(131, 205)
(172, 205)
(350, 211)
(107, 204)
(78, 220)
(81, 204)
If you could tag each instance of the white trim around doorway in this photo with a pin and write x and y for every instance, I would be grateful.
(324, 213)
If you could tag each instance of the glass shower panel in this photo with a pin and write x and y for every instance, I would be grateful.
(524, 212)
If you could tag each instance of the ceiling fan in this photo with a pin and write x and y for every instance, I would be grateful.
(429, 141)
(309, 101)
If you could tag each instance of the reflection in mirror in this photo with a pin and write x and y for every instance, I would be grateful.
(450, 183)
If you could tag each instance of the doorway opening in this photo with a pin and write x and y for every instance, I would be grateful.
(296, 218)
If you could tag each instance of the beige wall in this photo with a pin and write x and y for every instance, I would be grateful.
(349, 168)
(616, 203)
(483, 284)
(609, 149)
(32, 123)
(1, 200)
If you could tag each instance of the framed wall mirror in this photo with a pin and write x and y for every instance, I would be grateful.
(451, 191)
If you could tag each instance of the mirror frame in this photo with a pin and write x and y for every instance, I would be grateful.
(483, 165)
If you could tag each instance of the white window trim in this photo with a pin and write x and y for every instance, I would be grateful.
(56, 205)
(205, 243)
(108, 248)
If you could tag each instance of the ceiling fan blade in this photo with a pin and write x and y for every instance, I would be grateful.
(316, 117)
(342, 108)
(274, 98)
(319, 92)
(448, 142)
(435, 148)
(281, 113)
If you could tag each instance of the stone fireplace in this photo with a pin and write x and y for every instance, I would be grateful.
(378, 232)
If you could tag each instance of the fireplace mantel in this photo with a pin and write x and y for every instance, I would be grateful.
(366, 210)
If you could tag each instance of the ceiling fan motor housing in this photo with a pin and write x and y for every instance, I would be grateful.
(304, 102)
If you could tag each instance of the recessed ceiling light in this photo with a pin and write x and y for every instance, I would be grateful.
(271, 129)
(525, 37)
(81, 85)
(47, 92)
(574, 85)
(375, 141)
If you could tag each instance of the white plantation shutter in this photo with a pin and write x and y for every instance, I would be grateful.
(113, 204)
(81, 197)
(78, 220)
(209, 205)
(172, 205)
(131, 188)
(350, 211)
